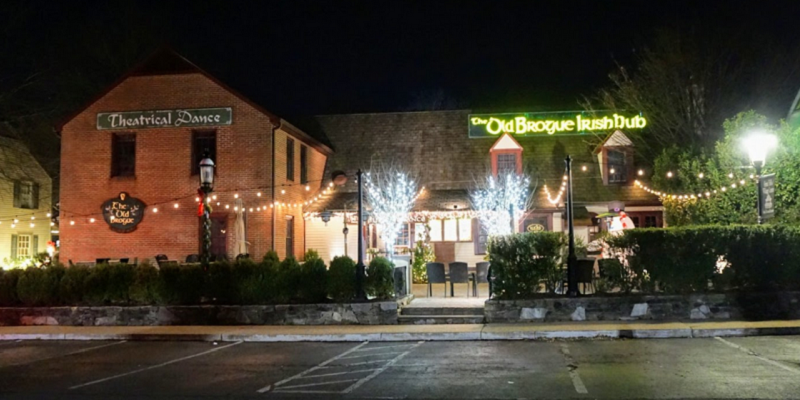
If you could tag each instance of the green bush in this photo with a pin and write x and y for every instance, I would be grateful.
(39, 286)
(182, 284)
(73, 285)
(314, 278)
(423, 254)
(380, 279)
(219, 282)
(341, 279)
(147, 286)
(522, 263)
(288, 279)
(684, 259)
(311, 254)
(8, 286)
(271, 257)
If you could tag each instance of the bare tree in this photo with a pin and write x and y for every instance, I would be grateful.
(391, 193)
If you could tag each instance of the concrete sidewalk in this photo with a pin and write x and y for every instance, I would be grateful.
(376, 333)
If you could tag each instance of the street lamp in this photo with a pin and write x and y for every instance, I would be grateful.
(757, 144)
(206, 186)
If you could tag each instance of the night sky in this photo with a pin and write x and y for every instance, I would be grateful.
(303, 58)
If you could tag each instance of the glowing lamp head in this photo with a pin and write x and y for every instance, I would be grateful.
(757, 145)
(207, 173)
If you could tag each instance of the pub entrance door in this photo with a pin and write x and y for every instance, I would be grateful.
(219, 236)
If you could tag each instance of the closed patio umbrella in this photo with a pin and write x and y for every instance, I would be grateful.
(239, 229)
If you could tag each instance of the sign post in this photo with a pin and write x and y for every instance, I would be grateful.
(766, 197)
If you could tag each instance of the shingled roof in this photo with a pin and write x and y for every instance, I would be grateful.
(434, 147)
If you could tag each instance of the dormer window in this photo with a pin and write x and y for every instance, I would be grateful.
(506, 156)
(615, 156)
(616, 166)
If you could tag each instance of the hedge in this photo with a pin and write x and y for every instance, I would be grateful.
(242, 281)
(656, 260)
(719, 258)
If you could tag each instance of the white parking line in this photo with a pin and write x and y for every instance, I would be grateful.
(372, 355)
(385, 347)
(359, 363)
(337, 373)
(317, 384)
(312, 369)
(577, 382)
(154, 366)
(756, 355)
(381, 369)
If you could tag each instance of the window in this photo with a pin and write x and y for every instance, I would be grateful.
(289, 235)
(506, 163)
(26, 195)
(650, 221)
(123, 154)
(289, 159)
(23, 245)
(617, 170)
(419, 231)
(403, 237)
(203, 142)
(436, 230)
(450, 230)
(303, 164)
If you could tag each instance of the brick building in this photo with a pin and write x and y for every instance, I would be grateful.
(448, 154)
(145, 136)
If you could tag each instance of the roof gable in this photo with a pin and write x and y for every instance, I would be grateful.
(616, 139)
(506, 142)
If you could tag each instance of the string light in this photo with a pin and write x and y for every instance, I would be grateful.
(669, 174)
(258, 194)
(558, 196)
(308, 188)
(283, 191)
(197, 199)
(176, 205)
(584, 168)
(155, 209)
(700, 175)
(236, 195)
(706, 194)
(91, 220)
(72, 222)
(641, 172)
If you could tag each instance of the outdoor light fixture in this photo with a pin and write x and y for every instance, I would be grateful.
(326, 217)
(207, 174)
(757, 145)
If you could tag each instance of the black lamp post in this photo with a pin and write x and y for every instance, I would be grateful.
(572, 259)
(360, 268)
(206, 186)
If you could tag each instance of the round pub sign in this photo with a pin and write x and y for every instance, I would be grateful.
(535, 228)
(123, 213)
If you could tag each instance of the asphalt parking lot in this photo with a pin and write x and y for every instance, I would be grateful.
(755, 367)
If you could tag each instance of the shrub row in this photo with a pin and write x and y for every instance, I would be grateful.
(693, 259)
(241, 282)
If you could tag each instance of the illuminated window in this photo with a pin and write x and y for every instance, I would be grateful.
(506, 163)
(24, 246)
(617, 170)
(403, 237)
(419, 231)
(436, 230)
(451, 230)
(465, 230)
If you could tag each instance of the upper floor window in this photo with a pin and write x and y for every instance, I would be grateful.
(289, 159)
(26, 195)
(506, 164)
(616, 166)
(303, 164)
(123, 154)
(203, 142)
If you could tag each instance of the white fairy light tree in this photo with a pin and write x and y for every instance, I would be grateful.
(497, 198)
(391, 194)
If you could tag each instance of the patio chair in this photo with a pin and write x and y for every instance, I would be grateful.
(585, 273)
(481, 276)
(436, 275)
(161, 258)
(459, 273)
(193, 258)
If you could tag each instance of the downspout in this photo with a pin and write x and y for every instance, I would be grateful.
(276, 124)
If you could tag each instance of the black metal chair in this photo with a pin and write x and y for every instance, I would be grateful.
(436, 275)
(161, 258)
(585, 273)
(481, 276)
(193, 258)
(459, 273)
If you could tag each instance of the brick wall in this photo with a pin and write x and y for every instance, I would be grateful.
(163, 173)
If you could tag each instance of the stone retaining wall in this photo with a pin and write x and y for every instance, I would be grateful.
(722, 306)
(373, 313)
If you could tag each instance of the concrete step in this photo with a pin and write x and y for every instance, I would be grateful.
(439, 319)
(442, 311)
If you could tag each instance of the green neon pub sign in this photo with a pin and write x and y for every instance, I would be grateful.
(550, 123)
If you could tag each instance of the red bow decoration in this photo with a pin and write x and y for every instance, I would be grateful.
(200, 207)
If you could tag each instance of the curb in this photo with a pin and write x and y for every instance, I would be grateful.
(391, 333)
